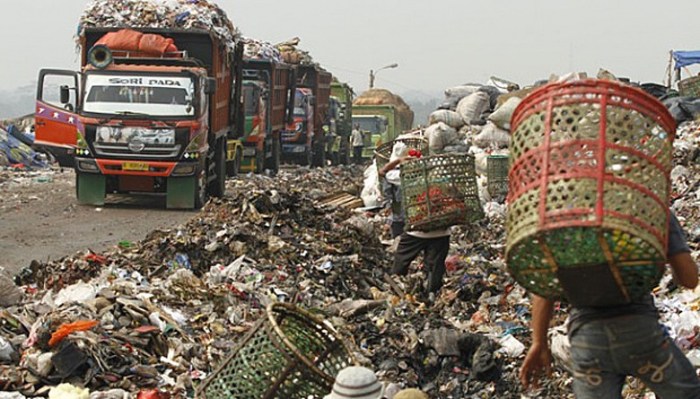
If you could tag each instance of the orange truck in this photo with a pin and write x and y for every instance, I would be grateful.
(267, 89)
(303, 141)
(142, 122)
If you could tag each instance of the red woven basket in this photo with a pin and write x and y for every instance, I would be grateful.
(588, 192)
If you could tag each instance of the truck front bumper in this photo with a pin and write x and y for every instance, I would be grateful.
(136, 168)
(293, 148)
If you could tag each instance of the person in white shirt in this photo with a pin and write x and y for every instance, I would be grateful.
(357, 141)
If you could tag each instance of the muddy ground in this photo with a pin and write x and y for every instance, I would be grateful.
(41, 219)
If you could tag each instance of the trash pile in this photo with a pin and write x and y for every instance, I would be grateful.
(285, 52)
(385, 97)
(156, 317)
(182, 14)
(260, 50)
(292, 54)
(16, 150)
(162, 313)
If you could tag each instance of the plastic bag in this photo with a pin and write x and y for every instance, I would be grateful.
(371, 192)
(66, 329)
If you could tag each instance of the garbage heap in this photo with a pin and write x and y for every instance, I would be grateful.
(16, 151)
(164, 312)
(261, 50)
(284, 52)
(292, 54)
(181, 14)
(475, 118)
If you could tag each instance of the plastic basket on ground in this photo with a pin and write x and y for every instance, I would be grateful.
(440, 191)
(290, 354)
(382, 154)
(497, 176)
(588, 192)
(689, 86)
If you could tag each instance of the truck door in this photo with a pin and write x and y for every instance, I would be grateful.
(56, 119)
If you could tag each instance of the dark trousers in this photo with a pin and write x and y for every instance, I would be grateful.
(434, 254)
(357, 154)
(397, 228)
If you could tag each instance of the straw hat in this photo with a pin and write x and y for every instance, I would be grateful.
(356, 383)
(411, 393)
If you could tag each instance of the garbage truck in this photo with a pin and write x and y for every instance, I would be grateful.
(382, 116)
(303, 140)
(341, 119)
(164, 122)
(267, 89)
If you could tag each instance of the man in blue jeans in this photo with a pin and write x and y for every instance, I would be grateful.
(610, 343)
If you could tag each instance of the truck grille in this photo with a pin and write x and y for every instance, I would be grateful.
(149, 151)
(153, 151)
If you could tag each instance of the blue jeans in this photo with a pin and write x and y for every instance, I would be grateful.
(605, 351)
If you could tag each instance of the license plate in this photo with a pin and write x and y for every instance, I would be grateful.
(136, 166)
(249, 151)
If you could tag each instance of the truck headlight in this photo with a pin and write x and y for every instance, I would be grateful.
(184, 169)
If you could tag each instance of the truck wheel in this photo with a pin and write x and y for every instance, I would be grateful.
(200, 188)
(306, 158)
(217, 187)
(319, 154)
(273, 163)
(259, 161)
(234, 167)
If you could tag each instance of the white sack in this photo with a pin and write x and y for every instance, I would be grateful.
(471, 107)
(492, 136)
(502, 115)
(450, 118)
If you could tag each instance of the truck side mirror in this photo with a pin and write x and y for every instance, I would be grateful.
(65, 94)
(210, 86)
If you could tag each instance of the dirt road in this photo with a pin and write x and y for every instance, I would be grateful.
(41, 219)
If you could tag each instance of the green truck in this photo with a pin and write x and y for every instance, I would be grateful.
(341, 122)
(380, 124)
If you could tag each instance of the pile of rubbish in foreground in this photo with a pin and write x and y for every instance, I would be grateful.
(162, 313)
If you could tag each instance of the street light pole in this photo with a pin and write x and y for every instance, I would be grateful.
(373, 74)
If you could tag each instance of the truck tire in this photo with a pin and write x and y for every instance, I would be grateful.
(306, 158)
(217, 187)
(259, 161)
(233, 168)
(273, 163)
(319, 153)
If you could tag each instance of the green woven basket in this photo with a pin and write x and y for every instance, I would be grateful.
(382, 154)
(689, 87)
(440, 191)
(588, 193)
(497, 176)
(289, 354)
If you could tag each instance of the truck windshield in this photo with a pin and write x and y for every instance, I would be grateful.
(374, 125)
(300, 104)
(251, 95)
(139, 95)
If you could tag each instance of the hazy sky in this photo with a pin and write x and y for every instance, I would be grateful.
(437, 44)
